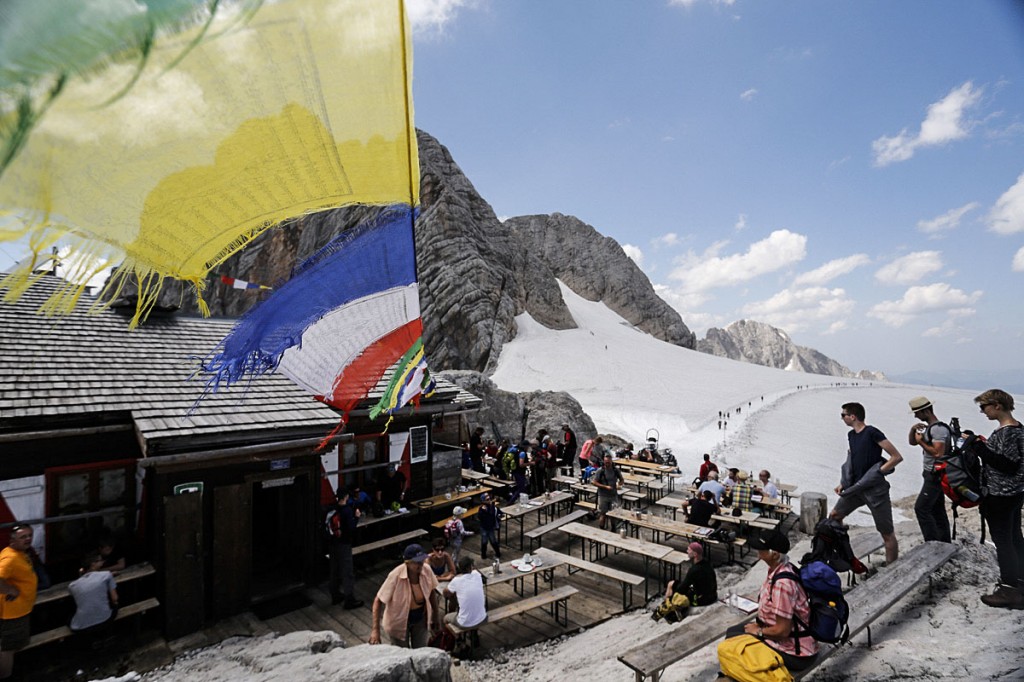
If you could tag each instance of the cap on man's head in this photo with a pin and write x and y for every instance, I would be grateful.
(772, 539)
(485, 498)
(742, 475)
(733, 470)
(415, 553)
(919, 403)
(458, 511)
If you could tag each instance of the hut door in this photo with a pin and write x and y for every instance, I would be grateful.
(183, 573)
(232, 551)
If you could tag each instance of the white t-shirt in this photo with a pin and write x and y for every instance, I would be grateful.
(769, 490)
(469, 588)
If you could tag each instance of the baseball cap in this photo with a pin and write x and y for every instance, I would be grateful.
(772, 539)
(415, 553)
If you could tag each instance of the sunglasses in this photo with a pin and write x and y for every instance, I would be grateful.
(982, 406)
(845, 414)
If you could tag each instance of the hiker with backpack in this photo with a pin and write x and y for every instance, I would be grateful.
(933, 436)
(1002, 458)
(773, 640)
(862, 480)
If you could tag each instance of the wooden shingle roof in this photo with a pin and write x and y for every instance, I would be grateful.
(77, 367)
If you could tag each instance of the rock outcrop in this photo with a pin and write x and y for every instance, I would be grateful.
(513, 415)
(762, 344)
(596, 268)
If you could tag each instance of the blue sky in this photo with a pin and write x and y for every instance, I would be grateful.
(852, 172)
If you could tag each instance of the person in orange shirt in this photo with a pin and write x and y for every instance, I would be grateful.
(18, 586)
(408, 599)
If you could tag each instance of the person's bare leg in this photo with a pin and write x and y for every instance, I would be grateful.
(668, 590)
(892, 548)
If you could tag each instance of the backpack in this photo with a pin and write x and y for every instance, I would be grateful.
(960, 470)
(451, 530)
(673, 609)
(829, 610)
(831, 545)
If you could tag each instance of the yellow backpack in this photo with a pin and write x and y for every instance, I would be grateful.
(747, 659)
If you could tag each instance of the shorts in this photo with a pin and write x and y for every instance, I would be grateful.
(452, 618)
(15, 633)
(877, 500)
(605, 504)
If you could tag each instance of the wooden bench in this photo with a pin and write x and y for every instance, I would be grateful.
(627, 580)
(557, 599)
(868, 602)
(472, 511)
(63, 632)
(585, 504)
(650, 659)
(540, 531)
(764, 524)
(387, 542)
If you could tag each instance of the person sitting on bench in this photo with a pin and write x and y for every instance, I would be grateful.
(699, 510)
(95, 595)
(700, 586)
(779, 603)
(468, 588)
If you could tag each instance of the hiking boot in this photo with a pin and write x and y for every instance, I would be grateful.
(1004, 597)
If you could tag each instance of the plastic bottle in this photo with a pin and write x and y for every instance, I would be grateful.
(968, 493)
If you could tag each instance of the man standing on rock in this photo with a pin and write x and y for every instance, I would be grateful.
(607, 481)
(932, 436)
(863, 476)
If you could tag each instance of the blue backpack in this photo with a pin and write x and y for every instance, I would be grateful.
(829, 610)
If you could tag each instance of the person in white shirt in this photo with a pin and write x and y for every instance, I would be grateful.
(468, 587)
(768, 489)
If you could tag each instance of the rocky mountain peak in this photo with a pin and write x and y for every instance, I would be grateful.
(762, 344)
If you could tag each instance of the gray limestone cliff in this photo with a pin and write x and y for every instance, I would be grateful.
(762, 344)
(596, 268)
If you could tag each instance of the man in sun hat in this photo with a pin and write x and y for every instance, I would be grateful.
(742, 492)
(932, 436)
(408, 602)
(862, 480)
(700, 586)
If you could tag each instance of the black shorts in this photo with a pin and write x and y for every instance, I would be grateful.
(15, 633)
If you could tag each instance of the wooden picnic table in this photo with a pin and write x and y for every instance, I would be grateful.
(474, 475)
(743, 520)
(663, 472)
(545, 504)
(671, 527)
(510, 573)
(597, 540)
(438, 501)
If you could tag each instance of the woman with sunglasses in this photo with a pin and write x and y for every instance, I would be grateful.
(1002, 458)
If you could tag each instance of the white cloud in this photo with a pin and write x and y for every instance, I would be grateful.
(837, 163)
(667, 239)
(796, 309)
(910, 268)
(433, 16)
(686, 304)
(944, 123)
(779, 250)
(1018, 260)
(741, 222)
(748, 95)
(925, 301)
(635, 254)
(1007, 216)
(831, 270)
(950, 220)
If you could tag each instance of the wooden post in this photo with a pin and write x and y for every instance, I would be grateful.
(813, 508)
